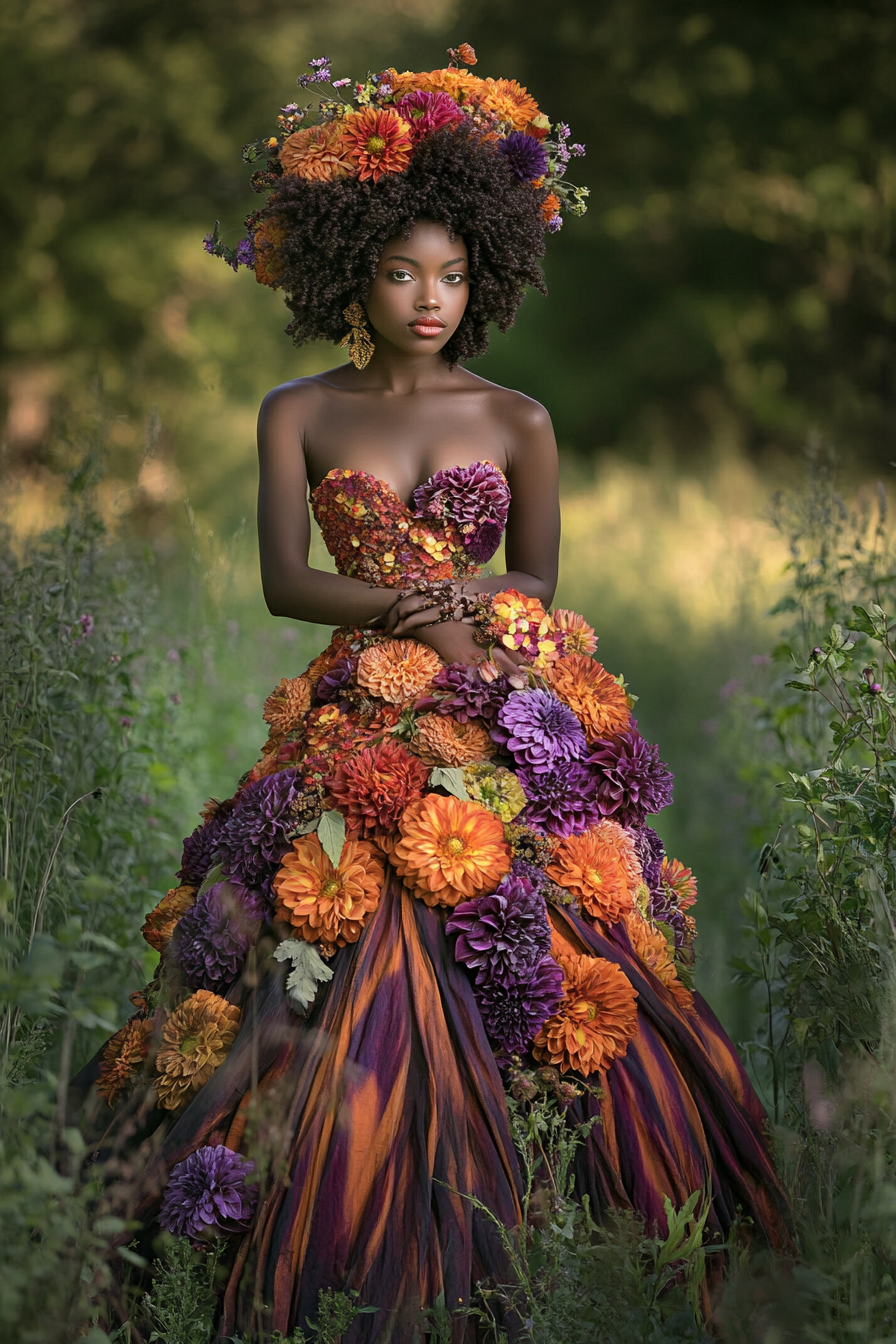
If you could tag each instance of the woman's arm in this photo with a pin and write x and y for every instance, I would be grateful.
(291, 587)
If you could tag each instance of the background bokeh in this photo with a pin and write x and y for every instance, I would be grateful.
(731, 291)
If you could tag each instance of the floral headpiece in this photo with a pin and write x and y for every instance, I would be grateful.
(374, 130)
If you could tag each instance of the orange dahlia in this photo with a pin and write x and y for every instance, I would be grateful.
(653, 948)
(196, 1038)
(680, 882)
(450, 850)
(377, 141)
(326, 904)
(459, 84)
(373, 788)
(592, 694)
(599, 870)
(442, 740)
(509, 101)
(123, 1056)
(160, 922)
(573, 633)
(400, 670)
(269, 264)
(550, 206)
(316, 154)
(596, 1020)
(286, 704)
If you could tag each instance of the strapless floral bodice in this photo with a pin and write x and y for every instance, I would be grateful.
(453, 524)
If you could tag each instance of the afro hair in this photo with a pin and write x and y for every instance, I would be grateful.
(331, 236)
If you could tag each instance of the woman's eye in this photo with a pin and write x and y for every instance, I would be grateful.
(401, 276)
(455, 277)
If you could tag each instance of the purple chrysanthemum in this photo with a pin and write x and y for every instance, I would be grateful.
(514, 1013)
(215, 934)
(502, 936)
(651, 851)
(539, 731)
(333, 683)
(470, 497)
(254, 838)
(207, 1193)
(632, 780)
(425, 112)
(201, 848)
(526, 156)
(562, 802)
(469, 697)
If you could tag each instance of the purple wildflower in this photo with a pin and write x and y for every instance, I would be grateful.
(632, 780)
(503, 936)
(215, 934)
(208, 243)
(334, 682)
(469, 497)
(514, 1013)
(469, 697)
(86, 624)
(254, 839)
(562, 802)
(341, 83)
(526, 157)
(201, 848)
(245, 253)
(555, 224)
(207, 1193)
(539, 731)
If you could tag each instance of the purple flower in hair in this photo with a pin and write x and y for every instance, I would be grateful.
(632, 780)
(245, 253)
(555, 224)
(471, 498)
(562, 802)
(469, 697)
(526, 157)
(254, 839)
(539, 731)
(502, 936)
(514, 1013)
(214, 935)
(208, 1193)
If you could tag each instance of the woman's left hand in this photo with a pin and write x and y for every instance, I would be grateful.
(410, 613)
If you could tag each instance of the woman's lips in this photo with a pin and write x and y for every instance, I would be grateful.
(427, 326)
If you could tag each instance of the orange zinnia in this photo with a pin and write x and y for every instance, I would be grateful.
(122, 1057)
(652, 947)
(596, 1020)
(442, 740)
(600, 869)
(286, 704)
(316, 153)
(592, 694)
(326, 904)
(509, 101)
(196, 1039)
(450, 850)
(160, 922)
(400, 670)
(377, 140)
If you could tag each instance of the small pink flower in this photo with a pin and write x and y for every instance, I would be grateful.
(173, 656)
(86, 624)
(126, 722)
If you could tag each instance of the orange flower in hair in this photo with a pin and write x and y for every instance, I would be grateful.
(123, 1057)
(160, 922)
(596, 1020)
(450, 850)
(600, 869)
(376, 141)
(509, 101)
(316, 153)
(268, 239)
(326, 904)
(592, 694)
(653, 949)
(196, 1039)
(442, 740)
(399, 670)
(550, 206)
(458, 84)
(286, 704)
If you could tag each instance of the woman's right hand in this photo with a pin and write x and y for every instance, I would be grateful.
(453, 641)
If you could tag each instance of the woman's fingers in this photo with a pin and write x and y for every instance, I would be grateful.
(415, 620)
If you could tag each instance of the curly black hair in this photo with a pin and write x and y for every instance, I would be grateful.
(335, 233)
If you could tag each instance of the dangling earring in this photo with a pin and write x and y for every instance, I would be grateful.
(358, 340)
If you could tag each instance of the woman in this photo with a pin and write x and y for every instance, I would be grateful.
(438, 881)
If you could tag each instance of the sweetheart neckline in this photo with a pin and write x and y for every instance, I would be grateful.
(378, 480)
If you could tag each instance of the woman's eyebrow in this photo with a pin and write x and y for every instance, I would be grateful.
(455, 261)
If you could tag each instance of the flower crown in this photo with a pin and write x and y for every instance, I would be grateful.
(375, 131)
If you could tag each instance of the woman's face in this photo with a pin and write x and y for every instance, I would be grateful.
(420, 291)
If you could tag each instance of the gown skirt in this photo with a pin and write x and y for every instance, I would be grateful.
(366, 1108)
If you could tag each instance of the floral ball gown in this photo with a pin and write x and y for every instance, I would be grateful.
(432, 885)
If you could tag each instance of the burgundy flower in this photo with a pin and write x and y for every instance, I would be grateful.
(539, 731)
(471, 498)
(502, 936)
(255, 837)
(562, 802)
(468, 696)
(214, 935)
(525, 155)
(207, 1193)
(425, 112)
(514, 1013)
(632, 780)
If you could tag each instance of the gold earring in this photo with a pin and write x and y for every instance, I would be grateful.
(358, 340)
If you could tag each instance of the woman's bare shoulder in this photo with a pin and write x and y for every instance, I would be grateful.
(513, 409)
